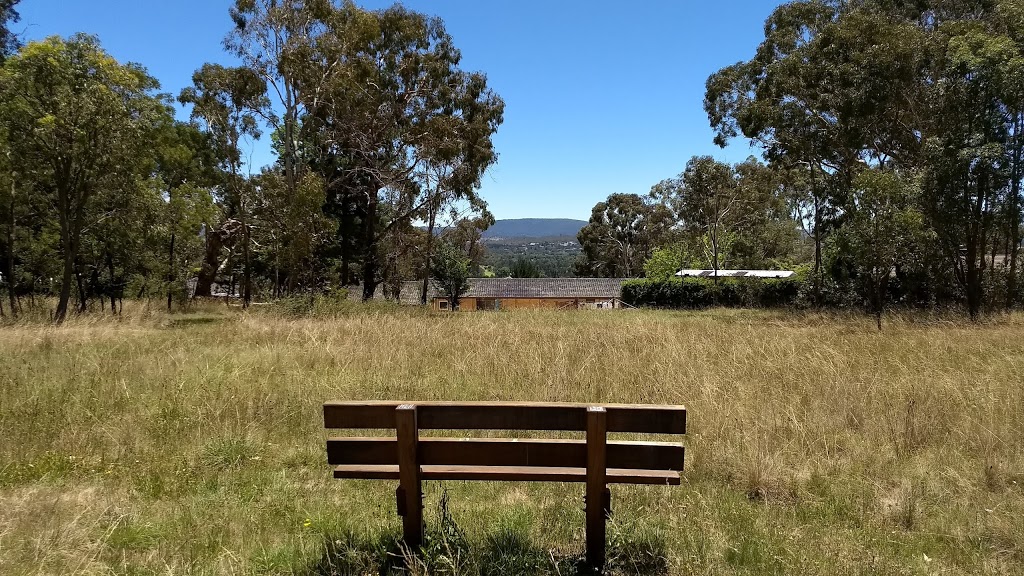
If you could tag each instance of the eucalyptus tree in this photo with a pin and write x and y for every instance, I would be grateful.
(775, 100)
(622, 233)
(820, 96)
(969, 171)
(82, 122)
(227, 101)
(407, 131)
(271, 38)
(9, 208)
(884, 230)
(706, 201)
(290, 229)
(524, 268)
(456, 155)
(468, 232)
(449, 268)
(9, 40)
(1008, 23)
(765, 232)
(189, 173)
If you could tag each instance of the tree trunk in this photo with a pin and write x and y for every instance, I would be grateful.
(114, 290)
(345, 233)
(96, 288)
(345, 280)
(992, 258)
(9, 268)
(247, 270)
(82, 298)
(290, 121)
(880, 285)
(426, 256)
(211, 263)
(976, 244)
(817, 253)
(65, 286)
(816, 233)
(170, 274)
(370, 264)
(973, 284)
(714, 256)
(1015, 223)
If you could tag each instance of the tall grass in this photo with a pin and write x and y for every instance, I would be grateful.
(192, 444)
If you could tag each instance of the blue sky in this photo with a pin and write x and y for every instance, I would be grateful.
(601, 97)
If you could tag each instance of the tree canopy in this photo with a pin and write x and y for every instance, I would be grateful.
(890, 169)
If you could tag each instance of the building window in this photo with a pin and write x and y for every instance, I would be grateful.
(443, 304)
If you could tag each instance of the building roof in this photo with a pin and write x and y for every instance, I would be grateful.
(544, 288)
(570, 288)
(737, 273)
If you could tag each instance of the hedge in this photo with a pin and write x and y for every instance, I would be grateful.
(693, 293)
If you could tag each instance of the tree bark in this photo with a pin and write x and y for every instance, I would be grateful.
(426, 257)
(65, 286)
(370, 263)
(976, 244)
(170, 274)
(880, 285)
(1015, 223)
(211, 263)
(247, 272)
(817, 237)
(9, 268)
(113, 290)
(82, 297)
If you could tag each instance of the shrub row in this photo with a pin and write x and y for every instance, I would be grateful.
(691, 293)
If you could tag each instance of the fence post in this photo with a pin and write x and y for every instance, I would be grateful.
(597, 513)
(410, 493)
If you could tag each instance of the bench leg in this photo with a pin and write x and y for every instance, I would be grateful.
(596, 501)
(410, 492)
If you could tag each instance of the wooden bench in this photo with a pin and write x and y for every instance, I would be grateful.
(410, 459)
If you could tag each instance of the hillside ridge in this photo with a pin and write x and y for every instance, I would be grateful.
(534, 228)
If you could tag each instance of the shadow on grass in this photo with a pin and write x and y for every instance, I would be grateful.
(506, 552)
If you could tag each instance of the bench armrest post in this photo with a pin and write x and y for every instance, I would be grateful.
(597, 509)
(409, 475)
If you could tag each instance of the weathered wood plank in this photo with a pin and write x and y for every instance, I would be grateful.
(409, 474)
(506, 452)
(509, 474)
(597, 514)
(635, 418)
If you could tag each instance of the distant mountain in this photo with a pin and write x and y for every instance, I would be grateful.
(535, 228)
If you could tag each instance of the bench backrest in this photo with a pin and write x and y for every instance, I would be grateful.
(506, 452)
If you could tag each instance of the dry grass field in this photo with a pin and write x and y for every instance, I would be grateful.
(193, 444)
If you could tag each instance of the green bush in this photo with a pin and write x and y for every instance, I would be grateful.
(695, 293)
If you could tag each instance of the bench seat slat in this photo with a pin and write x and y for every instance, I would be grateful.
(633, 418)
(510, 473)
(530, 452)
